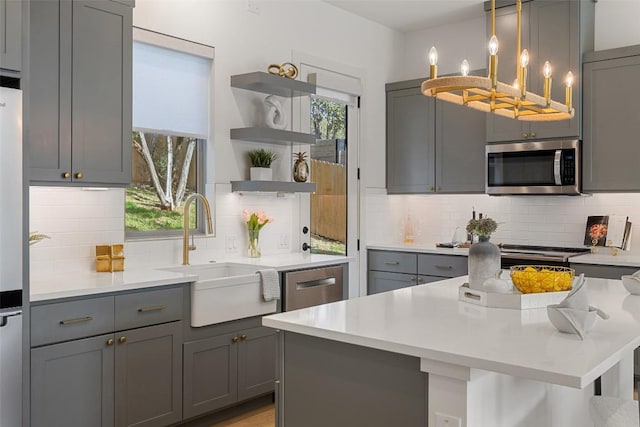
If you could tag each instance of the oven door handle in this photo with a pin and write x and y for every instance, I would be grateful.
(556, 167)
(534, 257)
(313, 283)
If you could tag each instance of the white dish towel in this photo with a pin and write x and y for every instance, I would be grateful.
(270, 284)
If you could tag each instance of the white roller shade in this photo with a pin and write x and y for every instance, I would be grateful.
(170, 91)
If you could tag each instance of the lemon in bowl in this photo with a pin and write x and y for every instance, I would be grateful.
(531, 279)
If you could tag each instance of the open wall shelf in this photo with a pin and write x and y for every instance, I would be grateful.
(272, 136)
(259, 81)
(274, 186)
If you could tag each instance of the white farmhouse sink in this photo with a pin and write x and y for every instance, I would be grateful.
(224, 292)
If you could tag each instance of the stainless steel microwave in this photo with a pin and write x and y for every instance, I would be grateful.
(540, 167)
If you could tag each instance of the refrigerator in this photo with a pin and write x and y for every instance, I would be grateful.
(11, 294)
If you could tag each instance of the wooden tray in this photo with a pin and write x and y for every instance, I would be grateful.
(513, 300)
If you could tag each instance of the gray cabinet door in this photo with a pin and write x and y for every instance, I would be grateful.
(611, 125)
(11, 35)
(48, 135)
(86, 118)
(380, 281)
(148, 376)
(256, 362)
(210, 374)
(555, 37)
(500, 129)
(460, 142)
(72, 383)
(558, 31)
(101, 104)
(410, 142)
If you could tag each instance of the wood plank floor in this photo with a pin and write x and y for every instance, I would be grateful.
(261, 417)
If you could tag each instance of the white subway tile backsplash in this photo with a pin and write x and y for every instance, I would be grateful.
(533, 220)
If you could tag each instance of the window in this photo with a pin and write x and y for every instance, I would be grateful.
(329, 172)
(171, 83)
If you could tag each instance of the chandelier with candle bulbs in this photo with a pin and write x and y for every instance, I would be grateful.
(489, 95)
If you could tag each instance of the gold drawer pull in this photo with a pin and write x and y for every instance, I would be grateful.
(243, 337)
(110, 341)
(122, 339)
(234, 340)
(78, 320)
(152, 308)
(392, 262)
(446, 267)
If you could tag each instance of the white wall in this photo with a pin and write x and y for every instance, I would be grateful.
(77, 220)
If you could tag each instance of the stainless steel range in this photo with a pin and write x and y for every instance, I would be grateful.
(537, 255)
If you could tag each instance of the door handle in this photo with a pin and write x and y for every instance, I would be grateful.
(319, 282)
(444, 267)
(152, 308)
(392, 262)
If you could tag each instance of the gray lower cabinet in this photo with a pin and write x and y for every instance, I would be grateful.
(79, 95)
(72, 383)
(228, 368)
(611, 125)
(432, 146)
(390, 270)
(148, 376)
(10, 36)
(558, 31)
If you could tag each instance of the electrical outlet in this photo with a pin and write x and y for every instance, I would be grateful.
(443, 420)
(252, 7)
(284, 241)
(231, 244)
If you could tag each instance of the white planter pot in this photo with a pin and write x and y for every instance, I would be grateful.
(261, 174)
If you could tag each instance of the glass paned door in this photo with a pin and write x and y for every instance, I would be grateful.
(328, 163)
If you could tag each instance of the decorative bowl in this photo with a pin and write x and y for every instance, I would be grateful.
(632, 284)
(530, 279)
(572, 321)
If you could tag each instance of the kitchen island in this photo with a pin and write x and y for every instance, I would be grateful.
(417, 356)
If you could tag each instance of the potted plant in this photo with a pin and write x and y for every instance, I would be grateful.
(261, 160)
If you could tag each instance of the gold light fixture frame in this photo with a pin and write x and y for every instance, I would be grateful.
(492, 96)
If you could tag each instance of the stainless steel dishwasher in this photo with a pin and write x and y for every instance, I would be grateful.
(306, 288)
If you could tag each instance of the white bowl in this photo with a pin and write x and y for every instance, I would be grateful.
(583, 320)
(632, 284)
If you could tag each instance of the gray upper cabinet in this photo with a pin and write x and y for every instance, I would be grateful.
(410, 142)
(80, 128)
(558, 31)
(10, 36)
(612, 123)
(428, 150)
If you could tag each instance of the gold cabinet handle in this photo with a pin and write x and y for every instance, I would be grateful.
(243, 337)
(66, 175)
(122, 339)
(432, 188)
(525, 135)
(533, 134)
(152, 308)
(110, 342)
(234, 340)
(78, 320)
(439, 189)
(79, 175)
(446, 267)
(391, 262)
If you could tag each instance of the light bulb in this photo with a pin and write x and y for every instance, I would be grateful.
(433, 56)
(464, 68)
(569, 79)
(546, 70)
(524, 58)
(493, 45)
(516, 84)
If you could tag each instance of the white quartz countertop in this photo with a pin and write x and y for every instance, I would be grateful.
(428, 321)
(604, 257)
(75, 284)
(425, 248)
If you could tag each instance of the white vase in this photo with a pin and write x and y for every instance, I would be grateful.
(261, 174)
(484, 262)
